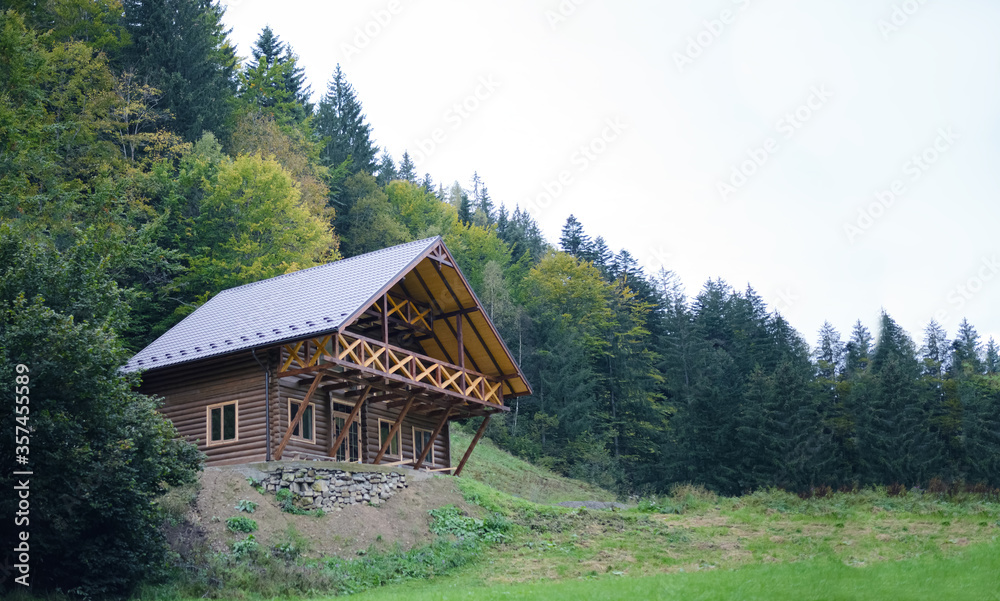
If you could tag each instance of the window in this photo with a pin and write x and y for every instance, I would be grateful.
(421, 440)
(350, 449)
(304, 429)
(384, 427)
(222, 422)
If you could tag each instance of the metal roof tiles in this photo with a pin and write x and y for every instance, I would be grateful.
(292, 305)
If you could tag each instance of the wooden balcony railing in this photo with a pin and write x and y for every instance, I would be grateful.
(353, 350)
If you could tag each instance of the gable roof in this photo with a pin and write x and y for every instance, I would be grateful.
(286, 307)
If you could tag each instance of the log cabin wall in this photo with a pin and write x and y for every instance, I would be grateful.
(372, 412)
(289, 389)
(189, 388)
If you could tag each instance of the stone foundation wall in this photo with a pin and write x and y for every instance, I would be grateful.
(331, 489)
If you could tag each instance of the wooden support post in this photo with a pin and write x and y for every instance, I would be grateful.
(475, 439)
(298, 417)
(430, 445)
(347, 425)
(385, 319)
(461, 352)
(392, 432)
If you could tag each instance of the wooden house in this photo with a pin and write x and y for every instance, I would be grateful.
(363, 360)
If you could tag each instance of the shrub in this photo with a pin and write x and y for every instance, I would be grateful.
(247, 506)
(449, 520)
(242, 524)
(246, 548)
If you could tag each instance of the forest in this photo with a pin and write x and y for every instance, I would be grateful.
(142, 172)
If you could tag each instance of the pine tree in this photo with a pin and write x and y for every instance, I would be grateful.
(858, 350)
(894, 344)
(274, 83)
(340, 121)
(484, 213)
(829, 353)
(601, 255)
(408, 171)
(935, 350)
(386, 169)
(573, 239)
(427, 184)
(459, 198)
(181, 48)
(965, 350)
(992, 363)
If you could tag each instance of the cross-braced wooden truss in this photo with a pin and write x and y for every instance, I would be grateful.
(401, 368)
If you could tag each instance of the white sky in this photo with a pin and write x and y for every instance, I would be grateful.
(874, 83)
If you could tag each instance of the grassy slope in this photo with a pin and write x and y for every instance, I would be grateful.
(511, 475)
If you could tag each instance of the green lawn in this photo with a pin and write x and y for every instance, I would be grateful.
(972, 574)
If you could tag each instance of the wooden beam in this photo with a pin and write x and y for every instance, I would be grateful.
(392, 432)
(385, 318)
(461, 311)
(437, 308)
(479, 434)
(298, 416)
(347, 425)
(434, 435)
(451, 291)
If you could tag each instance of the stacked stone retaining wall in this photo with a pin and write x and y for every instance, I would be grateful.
(332, 489)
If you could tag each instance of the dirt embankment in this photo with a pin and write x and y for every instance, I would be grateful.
(402, 520)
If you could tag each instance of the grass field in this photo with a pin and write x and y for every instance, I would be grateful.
(973, 574)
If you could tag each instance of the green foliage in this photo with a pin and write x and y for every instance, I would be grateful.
(241, 523)
(450, 520)
(90, 432)
(246, 548)
(182, 48)
(246, 506)
(286, 501)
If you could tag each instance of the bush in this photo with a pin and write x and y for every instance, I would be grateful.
(449, 520)
(247, 506)
(241, 524)
(246, 548)
(92, 436)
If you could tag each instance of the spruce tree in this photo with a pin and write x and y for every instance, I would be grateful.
(386, 169)
(341, 122)
(408, 171)
(573, 239)
(992, 363)
(857, 351)
(965, 350)
(182, 48)
(274, 83)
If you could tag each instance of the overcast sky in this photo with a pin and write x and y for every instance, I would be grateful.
(840, 157)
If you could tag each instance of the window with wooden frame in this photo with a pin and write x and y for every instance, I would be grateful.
(350, 449)
(384, 427)
(305, 430)
(421, 439)
(222, 423)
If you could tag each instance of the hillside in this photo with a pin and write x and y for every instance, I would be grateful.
(445, 534)
(501, 470)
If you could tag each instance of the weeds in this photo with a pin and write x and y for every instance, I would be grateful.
(241, 524)
(246, 506)
(449, 520)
